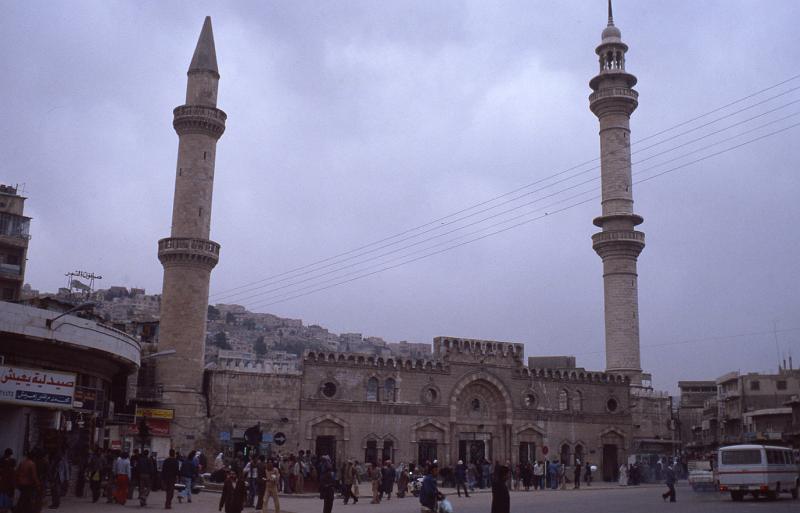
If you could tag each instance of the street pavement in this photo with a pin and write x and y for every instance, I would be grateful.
(606, 499)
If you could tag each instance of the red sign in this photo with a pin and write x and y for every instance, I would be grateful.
(158, 427)
(545, 450)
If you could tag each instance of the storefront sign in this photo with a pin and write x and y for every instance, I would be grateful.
(157, 427)
(36, 387)
(88, 399)
(155, 413)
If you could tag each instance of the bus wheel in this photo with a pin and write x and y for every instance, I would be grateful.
(737, 496)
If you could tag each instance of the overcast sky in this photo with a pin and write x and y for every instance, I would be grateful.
(349, 122)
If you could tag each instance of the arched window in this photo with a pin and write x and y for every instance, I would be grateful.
(577, 401)
(579, 454)
(564, 454)
(563, 400)
(372, 389)
(390, 390)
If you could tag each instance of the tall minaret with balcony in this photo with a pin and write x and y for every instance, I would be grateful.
(188, 256)
(618, 244)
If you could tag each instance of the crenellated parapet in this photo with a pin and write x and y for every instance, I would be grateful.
(467, 350)
(199, 119)
(360, 360)
(572, 375)
(187, 251)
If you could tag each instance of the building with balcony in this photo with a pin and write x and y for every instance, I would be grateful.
(14, 236)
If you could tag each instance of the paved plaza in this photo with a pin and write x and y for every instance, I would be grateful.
(644, 499)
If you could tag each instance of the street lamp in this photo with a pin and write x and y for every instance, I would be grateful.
(81, 307)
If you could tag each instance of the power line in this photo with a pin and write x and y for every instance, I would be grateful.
(361, 258)
(241, 295)
(720, 338)
(477, 205)
(701, 159)
(505, 221)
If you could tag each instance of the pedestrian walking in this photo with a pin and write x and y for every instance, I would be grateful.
(169, 475)
(461, 478)
(577, 474)
(429, 495)
(188, 474)
(234, 494)
(271, 478)
(94, 473)
(374, 475)
(122, 478)
(388, 476)
(587, 475)
(251, 474)
(146, 473)
(7, 468)
(327, 483)
(349, 479)
(29, 485)
(670, 482)
(501, 502)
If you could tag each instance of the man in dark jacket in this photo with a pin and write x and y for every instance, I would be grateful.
(461, 478)
(429, 495)
(234, 494)
(501, 502)
(388, 476)
(327, 483)
(169, 475)
(670, 481)
(146, 473)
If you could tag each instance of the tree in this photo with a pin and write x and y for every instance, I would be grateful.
(249, 324)
(259, 346)
(230, 318)
(213, 313)
(221, 340)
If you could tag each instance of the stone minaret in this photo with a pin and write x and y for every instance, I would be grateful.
(618, 244)
(188, 256)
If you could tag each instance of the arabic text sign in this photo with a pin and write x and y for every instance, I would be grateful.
(155, 413)
(36, 387)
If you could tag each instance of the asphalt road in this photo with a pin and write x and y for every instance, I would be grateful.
(645, 499)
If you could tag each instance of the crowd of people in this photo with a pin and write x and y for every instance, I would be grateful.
(113, 475)
(256, 480)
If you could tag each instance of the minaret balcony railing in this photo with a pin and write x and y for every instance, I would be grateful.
(199, 119)
(183, 250)
(619, 243)
(612, 92)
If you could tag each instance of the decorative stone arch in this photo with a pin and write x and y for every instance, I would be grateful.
(527, 433)
(580, 450)
(561, 445)
(612, 432)
(372, 437)
(327, 418)
(481, 376)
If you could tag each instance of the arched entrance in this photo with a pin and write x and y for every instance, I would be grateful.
(613, 443)
(328, 435)
(480, 412)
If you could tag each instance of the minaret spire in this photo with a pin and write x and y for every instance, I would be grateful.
(205, 54)
(619, 244)
(188, 254)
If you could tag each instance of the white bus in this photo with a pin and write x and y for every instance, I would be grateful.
(757, 470)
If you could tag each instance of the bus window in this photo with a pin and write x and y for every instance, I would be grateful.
(741, 457)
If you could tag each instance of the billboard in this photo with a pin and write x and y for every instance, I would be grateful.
(36, 387)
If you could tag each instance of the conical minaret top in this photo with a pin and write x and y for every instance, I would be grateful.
(201, 88)
(205, 55)
(613, 100)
